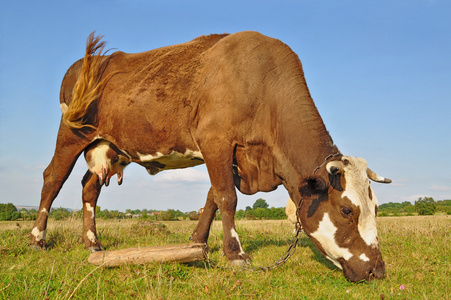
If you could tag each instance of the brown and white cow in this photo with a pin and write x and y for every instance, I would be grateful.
(238, 103)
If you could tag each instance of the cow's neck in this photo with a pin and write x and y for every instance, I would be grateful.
(304, 142)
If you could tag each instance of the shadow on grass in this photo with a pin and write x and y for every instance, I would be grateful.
(256, 243)
(63, 240)
(67, 239)
(317, 255)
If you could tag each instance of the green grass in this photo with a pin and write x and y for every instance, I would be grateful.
(415, 249)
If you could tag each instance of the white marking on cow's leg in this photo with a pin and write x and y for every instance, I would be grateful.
(90, 209)
(234, 235)
(39, 235)
(364, 257)
(44, 211)
(91, 236)
(325, 235)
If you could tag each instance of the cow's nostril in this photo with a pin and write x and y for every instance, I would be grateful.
(371, 275)
(376, 273)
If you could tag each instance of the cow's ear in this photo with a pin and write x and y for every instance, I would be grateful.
(312, 185)
(335, 181)
(314, 190)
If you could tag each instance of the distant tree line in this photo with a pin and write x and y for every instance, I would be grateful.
(259, 211)
(422, 206)
(146, 214)
(8, 212)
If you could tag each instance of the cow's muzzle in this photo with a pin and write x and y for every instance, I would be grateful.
(368, 273)
(377, 272)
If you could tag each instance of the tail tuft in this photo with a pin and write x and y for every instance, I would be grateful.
(87, 86)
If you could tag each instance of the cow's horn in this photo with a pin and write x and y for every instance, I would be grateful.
(119, 178)
(373, 176)
(334, 167)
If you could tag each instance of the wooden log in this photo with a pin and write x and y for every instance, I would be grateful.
(182, 253)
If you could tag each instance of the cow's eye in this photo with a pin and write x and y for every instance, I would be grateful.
(346, 211)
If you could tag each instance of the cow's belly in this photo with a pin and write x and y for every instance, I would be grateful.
(158, 162)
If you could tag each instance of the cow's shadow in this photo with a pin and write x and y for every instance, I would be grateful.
(317, 255)
(251, 245)
(304, 242)
(255, 244)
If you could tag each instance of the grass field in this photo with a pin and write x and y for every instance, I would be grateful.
(415, 250)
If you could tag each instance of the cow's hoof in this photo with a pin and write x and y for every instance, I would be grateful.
(240, 263)
(38, 245)
(96, 248)
(206, 248)
(37, 248)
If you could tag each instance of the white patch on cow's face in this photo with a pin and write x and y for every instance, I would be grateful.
(357, 191)
(325, 235)
(234, 235)
(90, 209)
(364, 257)
(91, 236)
(39, 235)
(174, 160)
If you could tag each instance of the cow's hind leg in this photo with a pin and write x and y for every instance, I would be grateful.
(91, 191)
(202, 231)
(68, 147)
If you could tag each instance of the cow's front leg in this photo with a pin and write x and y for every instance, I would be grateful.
(91, 191)
(232, 246)
(224, 195)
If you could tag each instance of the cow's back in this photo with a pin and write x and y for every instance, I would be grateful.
(254, 79)
(153, 91)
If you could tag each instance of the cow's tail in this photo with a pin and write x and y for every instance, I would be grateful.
(88, 85)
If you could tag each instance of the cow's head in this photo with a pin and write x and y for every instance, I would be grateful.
(105, 160)
(338, 213)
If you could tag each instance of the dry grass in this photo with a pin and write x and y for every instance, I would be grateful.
(415, 249)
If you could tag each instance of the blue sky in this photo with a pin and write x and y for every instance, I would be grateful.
(379, 72)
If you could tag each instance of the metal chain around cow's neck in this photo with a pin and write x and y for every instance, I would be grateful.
(294, 241)
(325, 161)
